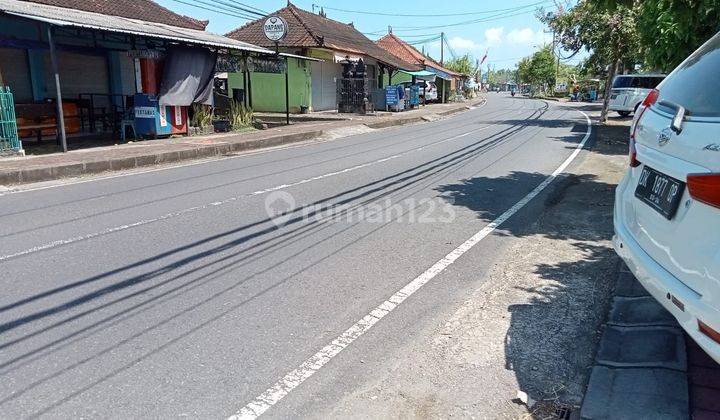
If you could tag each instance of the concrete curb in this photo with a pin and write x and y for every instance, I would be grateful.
(394, 123)
(641, 362)
(48, 173)
(58, 171)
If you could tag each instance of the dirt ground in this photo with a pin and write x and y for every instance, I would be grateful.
(533, 326)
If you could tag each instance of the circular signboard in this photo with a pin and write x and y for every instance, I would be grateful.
(275, 28)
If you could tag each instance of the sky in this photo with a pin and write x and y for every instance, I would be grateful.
(507, 29)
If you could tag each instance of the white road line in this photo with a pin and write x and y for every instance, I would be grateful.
(292, 380)
(179, 213)
(131, 172)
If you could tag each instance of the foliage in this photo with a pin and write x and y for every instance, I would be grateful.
(609, 34)
(501, 76)
(538, 69)
(463, 65)
(240, 116)
(670, 30)
(202, 116)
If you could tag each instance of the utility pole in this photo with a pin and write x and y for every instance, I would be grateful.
(58, 92)
(442, 48)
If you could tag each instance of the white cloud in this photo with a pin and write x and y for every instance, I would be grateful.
(528, 37)
(461, 43)
(494, 36)
(523, 36)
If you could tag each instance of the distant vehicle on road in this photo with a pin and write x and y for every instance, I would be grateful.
(667, 208)
(629, 90)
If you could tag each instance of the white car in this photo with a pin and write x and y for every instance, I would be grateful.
(667, 207)
(428, 90)
(629, 90)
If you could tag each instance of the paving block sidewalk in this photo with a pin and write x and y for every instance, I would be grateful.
(641, 365)
(20, 170)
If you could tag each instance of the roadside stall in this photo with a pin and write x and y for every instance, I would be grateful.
(95, 77)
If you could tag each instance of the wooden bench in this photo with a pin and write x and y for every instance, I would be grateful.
(32, 119)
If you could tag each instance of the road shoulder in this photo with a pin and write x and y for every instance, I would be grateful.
(532, 326)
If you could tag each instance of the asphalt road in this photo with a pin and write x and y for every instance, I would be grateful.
(175, 293)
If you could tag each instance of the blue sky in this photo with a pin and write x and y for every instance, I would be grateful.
(507, 28)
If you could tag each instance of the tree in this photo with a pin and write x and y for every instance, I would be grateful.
(524, 74)
(670, 30)
(609, 34)
(463, 65)
(538, 69)
(502, 76)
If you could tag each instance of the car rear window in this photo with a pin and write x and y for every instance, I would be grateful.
(694, 84)
(644, 82)
(622, 82)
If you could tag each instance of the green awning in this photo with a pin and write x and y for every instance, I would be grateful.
(422, 74)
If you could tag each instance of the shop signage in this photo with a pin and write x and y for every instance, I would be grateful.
(266, 65)
(229, 64)
(144, 112)
(391, 95)
(275, 28)
(148, 54)
(163, 116)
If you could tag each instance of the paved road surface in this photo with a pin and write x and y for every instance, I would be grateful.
(173, 293)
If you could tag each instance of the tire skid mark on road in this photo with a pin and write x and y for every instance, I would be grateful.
(172, 215)
(296, 377)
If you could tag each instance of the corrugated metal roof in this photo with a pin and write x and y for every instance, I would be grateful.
(146, 10)
(81, 19)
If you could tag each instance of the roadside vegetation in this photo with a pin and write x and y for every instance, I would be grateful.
(621, 36)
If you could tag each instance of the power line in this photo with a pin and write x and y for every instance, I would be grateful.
(449, 25)
(263, 12)
(234, 5)
(363, 12)
(424, 41)
(216, 9)
(404, 36)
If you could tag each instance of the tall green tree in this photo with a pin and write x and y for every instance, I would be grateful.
(670, 30)
(464, 64)
(538, 69)
(608, 34)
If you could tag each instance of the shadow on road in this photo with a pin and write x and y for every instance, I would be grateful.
(79, 310)
(563, 279)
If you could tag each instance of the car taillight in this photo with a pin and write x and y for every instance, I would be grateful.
(650, 100)
(705, 188)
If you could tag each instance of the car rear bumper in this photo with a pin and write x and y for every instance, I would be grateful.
(663, 286)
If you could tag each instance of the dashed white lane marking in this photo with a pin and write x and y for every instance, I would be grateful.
(179, 213)
(292, 380)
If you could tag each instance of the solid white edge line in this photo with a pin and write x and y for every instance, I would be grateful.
(293, 379)
(5, 190)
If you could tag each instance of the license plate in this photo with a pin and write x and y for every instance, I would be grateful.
(661, 192)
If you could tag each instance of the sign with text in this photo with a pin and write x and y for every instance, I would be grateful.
(144, 112)
(266, 65)
(148, 54)
(275, 28)
(229, 64)
(391, 95)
